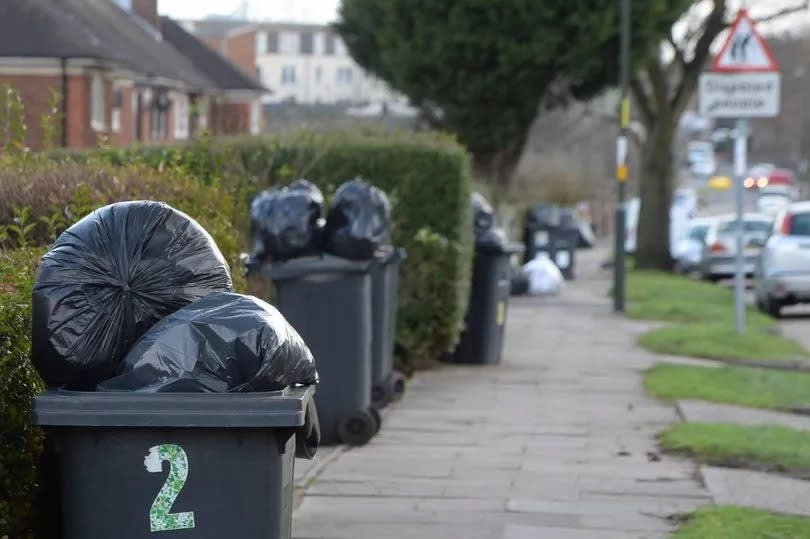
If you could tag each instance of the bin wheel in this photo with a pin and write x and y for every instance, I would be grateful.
(375, 413)
(398, 385)
(381, 394)
(357, 428)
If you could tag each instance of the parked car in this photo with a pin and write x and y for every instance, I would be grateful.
(700, 158)
(719, 252)
(688, 250)
(773, 200)
(684, 207)
(783, 270)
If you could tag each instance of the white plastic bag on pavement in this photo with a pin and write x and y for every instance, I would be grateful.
(544, 276)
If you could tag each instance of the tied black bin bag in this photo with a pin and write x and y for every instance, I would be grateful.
(359, 221)
(286, 222)
(108, 279)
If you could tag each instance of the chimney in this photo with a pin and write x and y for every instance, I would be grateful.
(147, 10)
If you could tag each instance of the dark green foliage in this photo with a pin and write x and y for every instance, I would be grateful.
(488, 66)
(20, 443)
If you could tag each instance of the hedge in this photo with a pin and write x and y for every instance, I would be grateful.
(426, 176)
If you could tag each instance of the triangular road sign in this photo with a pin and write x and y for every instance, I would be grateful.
(745, 50)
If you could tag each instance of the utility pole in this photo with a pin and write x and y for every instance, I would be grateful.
(619, 268)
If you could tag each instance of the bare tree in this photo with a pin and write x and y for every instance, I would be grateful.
(662, 89)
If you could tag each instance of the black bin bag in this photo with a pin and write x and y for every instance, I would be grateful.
(486, 234)
(286, 222)
(224, 342)
(108, 279)
(359, 221)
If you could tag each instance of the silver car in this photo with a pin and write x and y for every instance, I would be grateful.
(719, 251)
(688, 250)
(783, 271)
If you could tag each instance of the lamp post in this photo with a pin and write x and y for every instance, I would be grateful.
(619, 268)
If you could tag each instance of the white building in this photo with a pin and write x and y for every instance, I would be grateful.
(305, 64)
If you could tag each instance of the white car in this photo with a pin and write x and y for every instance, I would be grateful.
(719, 251)
(688, 249)
(772, 201)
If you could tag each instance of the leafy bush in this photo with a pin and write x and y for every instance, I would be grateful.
(20, 442)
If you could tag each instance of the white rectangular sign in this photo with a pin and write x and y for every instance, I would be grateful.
(739, 95)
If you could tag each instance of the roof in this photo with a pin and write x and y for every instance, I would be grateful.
(214, 27)
(97, 29)
(224, 73)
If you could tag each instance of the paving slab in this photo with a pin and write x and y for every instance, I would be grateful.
(558, 441)
(756, 489)
(708, 412)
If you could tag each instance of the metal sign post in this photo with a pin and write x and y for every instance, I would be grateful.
(740, 150)
(744, 83)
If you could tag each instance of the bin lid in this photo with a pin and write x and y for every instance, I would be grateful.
(314, 265)
(281, 409)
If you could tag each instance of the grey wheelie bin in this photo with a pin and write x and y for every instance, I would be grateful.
(539, 232)
(198, 465)
(327, 299)
(387, 384)
(482, 338)
(566, 240)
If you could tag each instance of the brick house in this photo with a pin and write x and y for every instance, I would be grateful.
(124, 73)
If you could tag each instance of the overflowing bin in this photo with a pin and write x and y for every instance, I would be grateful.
(553, 231)
(328, 300)
(199, 465)
(387, 384)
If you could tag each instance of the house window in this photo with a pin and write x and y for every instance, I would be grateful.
(97, 102)
(288, 75)
(255, 118)
(340, 47)
(289, 42)
(344, 75)
(261, 43)
(318, 44)
(318, 74)
(159, 114)
(117, 105)
(181, 112)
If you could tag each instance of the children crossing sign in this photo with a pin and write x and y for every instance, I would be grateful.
(744, 81)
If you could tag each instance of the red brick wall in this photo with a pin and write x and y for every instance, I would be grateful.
(241, 49)
(215, 42)
(233, 118)
(147, 9)
(35, 94)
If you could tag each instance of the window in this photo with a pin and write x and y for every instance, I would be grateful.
(319, 44)
(159, 114)
(344, 75)
(261, 43)
(181, 113)
(318, 74)
(288, 75)
(800, 224)
(340, 47)
(117, 105)
(698, 233)
(255, 118)
(97, 103)
(289, 42)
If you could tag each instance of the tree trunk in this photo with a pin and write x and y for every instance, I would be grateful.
(656, 187)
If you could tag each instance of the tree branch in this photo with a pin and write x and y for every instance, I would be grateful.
(642, 100)
(784, 11)
(679, 55)
(714, 24)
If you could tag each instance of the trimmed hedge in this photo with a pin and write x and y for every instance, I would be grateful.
(425, 175)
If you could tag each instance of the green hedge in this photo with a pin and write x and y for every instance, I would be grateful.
(426, 176)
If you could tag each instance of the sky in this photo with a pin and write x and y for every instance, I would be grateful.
(314, 11)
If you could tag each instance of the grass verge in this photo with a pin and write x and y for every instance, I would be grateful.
(757, 388)
(704, 313)
(730, 522)
(721, 341)
(767, 448)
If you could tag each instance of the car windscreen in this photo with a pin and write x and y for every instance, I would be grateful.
(698, 233)
(748, 226)
(800, 224)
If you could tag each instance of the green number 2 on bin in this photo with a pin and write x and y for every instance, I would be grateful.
(160, 519)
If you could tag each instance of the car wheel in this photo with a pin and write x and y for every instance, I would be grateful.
(773, 307)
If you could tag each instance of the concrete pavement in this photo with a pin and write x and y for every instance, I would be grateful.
(557, 442)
